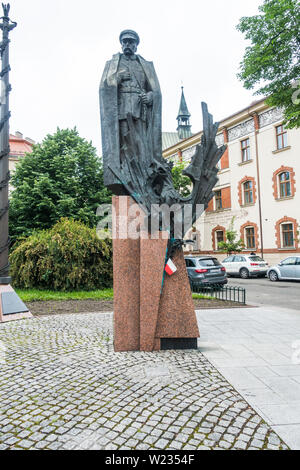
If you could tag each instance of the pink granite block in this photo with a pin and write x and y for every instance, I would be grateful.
(152, 262)
(126, 256)
(176, 316)
(126, 295)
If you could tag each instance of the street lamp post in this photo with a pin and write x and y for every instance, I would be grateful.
(11, 306)
(6, 26)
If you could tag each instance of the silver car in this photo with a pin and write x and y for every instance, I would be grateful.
(288, 269)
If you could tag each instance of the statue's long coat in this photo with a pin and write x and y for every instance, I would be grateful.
(110, 122)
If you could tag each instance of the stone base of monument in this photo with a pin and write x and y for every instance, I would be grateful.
(11, 306)
(150, 313)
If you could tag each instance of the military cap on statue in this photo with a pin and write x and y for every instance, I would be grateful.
(128, 33)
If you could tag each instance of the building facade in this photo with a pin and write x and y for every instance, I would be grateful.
(257, 188)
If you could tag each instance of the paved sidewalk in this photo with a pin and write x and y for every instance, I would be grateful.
(253, 349)
(63, 387)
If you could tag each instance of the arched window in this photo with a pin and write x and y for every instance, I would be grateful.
(247, 191)
(218, 236)
(284, 183)
(249, 235)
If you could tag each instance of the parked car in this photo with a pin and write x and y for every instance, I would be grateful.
(205, 271)
(289, 268)
(245, 266)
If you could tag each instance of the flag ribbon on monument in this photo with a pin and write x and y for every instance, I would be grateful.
(170, 267)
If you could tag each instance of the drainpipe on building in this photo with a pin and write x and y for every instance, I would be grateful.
(256, 125)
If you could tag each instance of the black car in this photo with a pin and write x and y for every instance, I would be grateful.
(205, 271)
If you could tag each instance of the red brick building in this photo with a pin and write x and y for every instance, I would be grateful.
(19, 146)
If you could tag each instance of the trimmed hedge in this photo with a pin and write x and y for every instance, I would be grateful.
(69, 256)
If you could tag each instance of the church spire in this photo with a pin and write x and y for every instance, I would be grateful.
(183, 118)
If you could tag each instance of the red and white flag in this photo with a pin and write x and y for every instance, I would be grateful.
(170, 267)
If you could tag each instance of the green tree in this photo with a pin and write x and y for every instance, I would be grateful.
(232, 245)
(62, 177)
(182, 183)
(272, 61)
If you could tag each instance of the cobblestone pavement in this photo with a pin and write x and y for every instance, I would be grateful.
(63, 387)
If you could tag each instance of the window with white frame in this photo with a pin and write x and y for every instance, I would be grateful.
(218, 200)
(248, 192)
(250, 237)
(287, 235)
(245, 147)
(219, 237)
(284, 184)
(281, 137)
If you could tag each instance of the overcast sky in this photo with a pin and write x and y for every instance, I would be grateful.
(59, 49)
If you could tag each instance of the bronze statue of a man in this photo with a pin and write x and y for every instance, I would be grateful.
(130, 104)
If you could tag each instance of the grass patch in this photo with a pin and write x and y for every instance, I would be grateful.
(32, 295)
(202, 296)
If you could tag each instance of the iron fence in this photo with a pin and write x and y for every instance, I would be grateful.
(231, 293)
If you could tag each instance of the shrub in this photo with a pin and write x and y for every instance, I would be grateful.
(69, 256)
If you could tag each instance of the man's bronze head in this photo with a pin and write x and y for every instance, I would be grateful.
(129, 40)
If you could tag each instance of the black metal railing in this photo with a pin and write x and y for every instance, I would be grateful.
(231, 293)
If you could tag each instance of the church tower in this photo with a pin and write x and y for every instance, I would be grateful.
(183, 118)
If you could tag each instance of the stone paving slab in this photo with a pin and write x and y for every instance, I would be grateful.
(63, 387)
(257, 351)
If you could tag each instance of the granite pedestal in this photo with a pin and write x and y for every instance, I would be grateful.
(152, 311)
